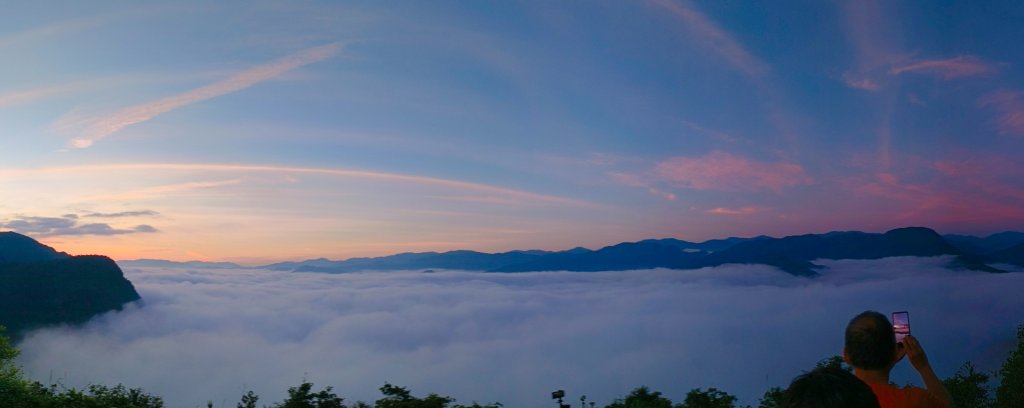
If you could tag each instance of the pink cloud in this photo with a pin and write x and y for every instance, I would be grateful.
(633, 180)
(855, 82)
(962, 66)
(1009, 104)
(714, 37)
(964, 194)
(734, 211)
(727, 172)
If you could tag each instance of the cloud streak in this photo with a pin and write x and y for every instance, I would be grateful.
(99, 128)
(713, 37)
(210, 334)
(67, 225)
(519, 195)
(856, 82)
(735, 211)
(728, 172)
(31, 95)
(122, 214)
(957, 67)
(1009, 105)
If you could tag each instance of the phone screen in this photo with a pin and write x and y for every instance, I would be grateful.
(901, 325)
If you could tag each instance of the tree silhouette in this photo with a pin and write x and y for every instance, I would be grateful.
(712, 398)
(249, 400)
(401, 397)
(303, 397)
(642, 397)
(968, 387)
(772, 398)
(1010, 392)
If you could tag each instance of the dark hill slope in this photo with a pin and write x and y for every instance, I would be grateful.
(627, 255)
(15, 247)
(795, 253)
(36, 291)
(986, 245)
(1012, 255)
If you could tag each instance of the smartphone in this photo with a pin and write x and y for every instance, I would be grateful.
(901, 325)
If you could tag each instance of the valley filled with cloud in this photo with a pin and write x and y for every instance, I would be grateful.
(210, 335)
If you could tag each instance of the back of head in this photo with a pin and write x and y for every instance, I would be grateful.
(829, 387)
(870, 341)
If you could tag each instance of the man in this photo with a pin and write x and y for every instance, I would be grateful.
(829, 387)
(872, 351)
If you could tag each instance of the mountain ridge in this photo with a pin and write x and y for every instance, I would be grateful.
(40, 286)
(793, 254)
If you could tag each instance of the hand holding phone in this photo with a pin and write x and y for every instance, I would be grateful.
(901, 325)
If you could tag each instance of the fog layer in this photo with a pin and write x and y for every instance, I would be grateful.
(212, 334)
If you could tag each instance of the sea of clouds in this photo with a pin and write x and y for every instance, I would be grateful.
(210, 335)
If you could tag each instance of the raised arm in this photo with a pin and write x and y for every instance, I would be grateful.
(915, 353)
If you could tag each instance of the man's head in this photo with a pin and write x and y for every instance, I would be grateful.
(829, 387)
(870, 342)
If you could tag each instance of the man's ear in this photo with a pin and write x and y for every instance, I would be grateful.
(846, 357)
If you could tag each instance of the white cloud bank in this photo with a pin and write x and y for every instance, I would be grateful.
(210, 335)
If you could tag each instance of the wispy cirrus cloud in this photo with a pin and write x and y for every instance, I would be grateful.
(951, 68)
(954, 194)
(714, 37)
(22, 96)
(55, 28)
(875, 38)
(728, 172)
(873, 33)
(67, 225)
(634, 180)
(1009, 105)
(123, 214)
(857, 82)
(163, 190)
(520, 196)
(101, 127)
(735, 211)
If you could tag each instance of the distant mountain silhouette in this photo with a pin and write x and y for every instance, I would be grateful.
(160, 263)
(793, 254)
(986, 245)
(462, 259)
(1012, 255)
(627, 255)
(40, 286)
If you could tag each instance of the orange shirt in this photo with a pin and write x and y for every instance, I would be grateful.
(891, 396)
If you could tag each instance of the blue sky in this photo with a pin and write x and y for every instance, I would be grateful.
(258, 131)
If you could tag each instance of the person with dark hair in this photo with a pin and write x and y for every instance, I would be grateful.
(829, 387)
(872, 351)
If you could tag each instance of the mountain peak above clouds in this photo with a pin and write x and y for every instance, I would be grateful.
(40, 286)
(15, 247)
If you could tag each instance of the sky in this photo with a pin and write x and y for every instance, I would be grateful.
(262, 131)
(211, 335)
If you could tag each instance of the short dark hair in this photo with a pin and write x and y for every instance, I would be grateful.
(829, 387)
(870, 341)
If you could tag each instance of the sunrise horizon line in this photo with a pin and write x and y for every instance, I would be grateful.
(257, 262)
